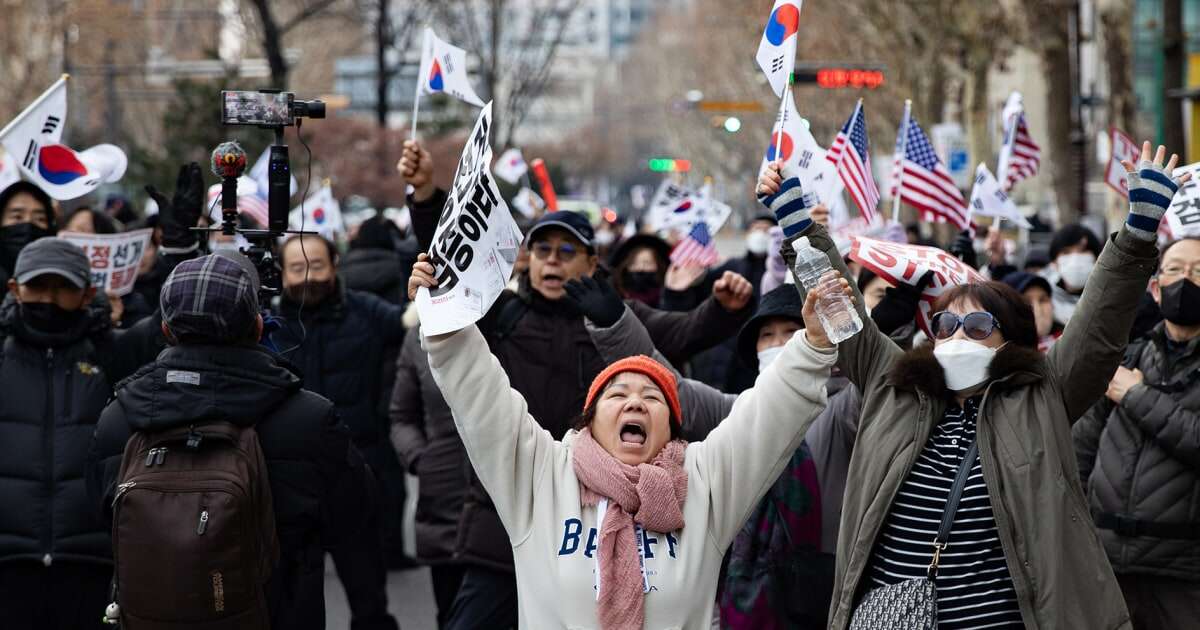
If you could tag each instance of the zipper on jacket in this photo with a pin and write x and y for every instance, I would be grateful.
(48, 452)
(203, 525)
(121, 490)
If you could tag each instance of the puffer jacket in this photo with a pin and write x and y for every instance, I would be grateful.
(52, 390)
(380, 271)
(1059, 569)
(1140, 464)
(345, 350)
(318, 480)
(429, 447)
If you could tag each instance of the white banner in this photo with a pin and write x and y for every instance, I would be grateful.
(1183, 216)
(988, 199)
(114, 258)
(1123, 148)
(475, 244)
(896, 263)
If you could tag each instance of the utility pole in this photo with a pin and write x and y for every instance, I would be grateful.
(1078, 136)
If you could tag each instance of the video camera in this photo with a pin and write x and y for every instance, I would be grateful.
(269, 109)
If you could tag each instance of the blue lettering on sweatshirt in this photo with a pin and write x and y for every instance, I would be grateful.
(572, 528)
(573, 535)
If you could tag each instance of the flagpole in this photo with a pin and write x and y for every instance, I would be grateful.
(416, 109)
(902, 149)
(787, 90)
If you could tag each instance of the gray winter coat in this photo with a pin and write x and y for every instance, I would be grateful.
(1140, 460)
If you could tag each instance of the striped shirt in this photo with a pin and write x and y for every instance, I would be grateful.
(974, 587)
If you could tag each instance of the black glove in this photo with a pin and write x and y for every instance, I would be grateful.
(899, 305)
(597, 301)
(964, 249)
(183, 211)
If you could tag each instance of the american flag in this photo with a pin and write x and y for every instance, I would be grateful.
(854, 165)
(1024, 155)
(923, 180)
(696, 248)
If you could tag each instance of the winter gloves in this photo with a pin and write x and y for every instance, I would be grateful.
(183, 211)
(596, 300)
(790, 207)
(1150, 191)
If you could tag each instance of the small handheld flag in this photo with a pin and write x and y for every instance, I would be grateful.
(777, 49)
(988, 199)
(921, 179)
(696, 248)
(850, 153)
(1020, 156)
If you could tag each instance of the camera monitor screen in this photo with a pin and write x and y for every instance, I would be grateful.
(257, 108)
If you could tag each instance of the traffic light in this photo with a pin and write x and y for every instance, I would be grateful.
(837, 77)
(668, 165)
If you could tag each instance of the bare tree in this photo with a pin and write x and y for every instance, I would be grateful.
(516, 52)
(1117, 21)
(1174, 60)
(272, 30)
(394, 30)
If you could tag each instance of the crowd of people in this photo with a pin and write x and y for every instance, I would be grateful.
(620, 442)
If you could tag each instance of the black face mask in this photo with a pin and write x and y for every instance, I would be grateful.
(310, 293)
(1181, 303)
(640, 281)
(14, 238)
(50, 318)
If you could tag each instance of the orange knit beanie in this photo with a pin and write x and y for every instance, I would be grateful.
(640, 364)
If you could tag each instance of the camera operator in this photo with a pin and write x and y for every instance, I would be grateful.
(342, 341)
(212, 322)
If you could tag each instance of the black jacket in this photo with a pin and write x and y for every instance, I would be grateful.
(379, 271)
(1141, 460)
(52, 390)
(342, 351)
(317, 482)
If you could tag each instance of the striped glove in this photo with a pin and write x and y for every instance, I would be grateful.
(1150, 191)
(790, 207)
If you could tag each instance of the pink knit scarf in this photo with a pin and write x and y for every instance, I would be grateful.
(651, 495)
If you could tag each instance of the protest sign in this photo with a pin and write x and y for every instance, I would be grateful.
(114, 258)
(896, 263)
(843, 235)
(1183, 216)
(475, 244)
(1123, 148)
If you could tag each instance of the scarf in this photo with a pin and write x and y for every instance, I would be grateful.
(650, 495)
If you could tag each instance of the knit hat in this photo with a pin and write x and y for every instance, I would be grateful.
(644, 365)
(783, 301)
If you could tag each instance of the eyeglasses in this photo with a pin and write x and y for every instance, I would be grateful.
(978, 325)
(566, 251)
(1191, 271)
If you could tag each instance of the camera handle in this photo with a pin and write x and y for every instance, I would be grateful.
(279, 184)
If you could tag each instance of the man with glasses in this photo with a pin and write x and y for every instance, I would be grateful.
(539, 337)
(1139, 455)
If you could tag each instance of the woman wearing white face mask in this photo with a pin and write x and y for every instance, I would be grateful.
(983, 411)
(1074, 250)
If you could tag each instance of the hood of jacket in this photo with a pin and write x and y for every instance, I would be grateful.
(1013, 366)
(197, 384)
(371, 269)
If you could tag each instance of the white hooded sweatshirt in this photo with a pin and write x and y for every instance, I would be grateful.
(530, 478)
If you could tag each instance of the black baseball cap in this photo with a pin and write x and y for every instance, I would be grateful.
(573, 222)
(1021, 280)
(53, 256)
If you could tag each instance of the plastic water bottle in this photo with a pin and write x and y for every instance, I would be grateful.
(836, 311)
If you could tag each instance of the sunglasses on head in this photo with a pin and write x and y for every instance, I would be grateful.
(566, 251)
(978, 325)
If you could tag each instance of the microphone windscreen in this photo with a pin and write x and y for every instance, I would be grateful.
(228, 160)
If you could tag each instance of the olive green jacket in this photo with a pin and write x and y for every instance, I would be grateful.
(1058, 565)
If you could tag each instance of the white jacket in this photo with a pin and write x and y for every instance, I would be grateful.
(530, 478)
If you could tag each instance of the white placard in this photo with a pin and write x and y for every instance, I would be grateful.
(475, 244)
(114, 258)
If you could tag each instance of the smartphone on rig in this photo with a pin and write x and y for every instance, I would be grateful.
(258, 108)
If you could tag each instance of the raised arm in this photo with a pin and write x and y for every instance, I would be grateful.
(743, 456)
(508, 449)
(679, 336)
(866, 357)
(1094, 341)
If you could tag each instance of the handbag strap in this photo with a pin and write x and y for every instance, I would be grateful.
(956, 491)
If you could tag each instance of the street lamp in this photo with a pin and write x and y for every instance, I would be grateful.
(733, 124)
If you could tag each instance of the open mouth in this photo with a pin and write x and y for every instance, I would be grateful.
(552, 280)
(633, 433)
